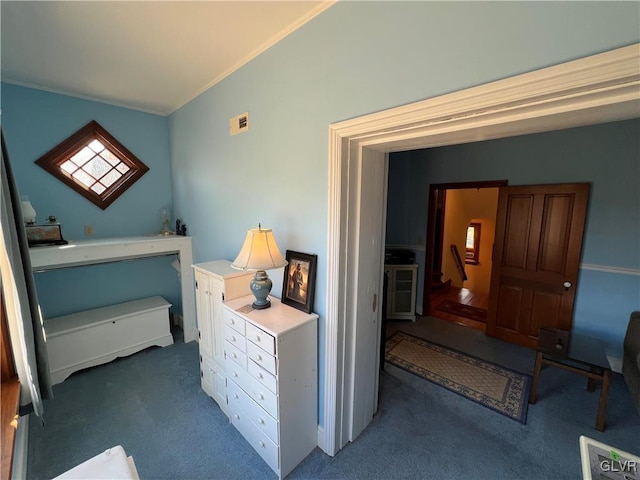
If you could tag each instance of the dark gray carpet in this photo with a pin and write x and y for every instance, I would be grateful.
(151, 404)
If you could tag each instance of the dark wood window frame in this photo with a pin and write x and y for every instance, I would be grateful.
(56, 157)
(472, 255)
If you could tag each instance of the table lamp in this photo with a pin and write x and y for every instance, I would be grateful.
(260, 253)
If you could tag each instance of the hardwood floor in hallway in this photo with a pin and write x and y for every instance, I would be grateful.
(463, 296)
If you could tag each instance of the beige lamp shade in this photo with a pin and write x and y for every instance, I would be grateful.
(259, 251)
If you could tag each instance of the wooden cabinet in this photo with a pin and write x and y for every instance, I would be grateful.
(272, 386)
(216, 282)
(401, 291)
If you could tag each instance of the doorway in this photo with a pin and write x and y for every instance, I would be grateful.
(587, 91)
(457, 280)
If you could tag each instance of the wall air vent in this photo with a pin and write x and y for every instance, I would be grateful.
(239, 124)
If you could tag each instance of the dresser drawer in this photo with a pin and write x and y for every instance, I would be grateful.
(234, 321)
(261, 375)
(264, 421)
(261, 338)
(260, 394)
(233, 353)
(235, 338)
(262, 358)
(256, 438)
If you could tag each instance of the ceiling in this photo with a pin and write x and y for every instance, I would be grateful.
(153, 56)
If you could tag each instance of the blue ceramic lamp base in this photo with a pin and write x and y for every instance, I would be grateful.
(261, 287)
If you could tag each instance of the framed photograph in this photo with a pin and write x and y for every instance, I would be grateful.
(299, 283)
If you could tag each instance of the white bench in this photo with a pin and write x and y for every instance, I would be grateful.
(93, 337)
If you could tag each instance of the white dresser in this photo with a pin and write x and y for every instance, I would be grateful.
(272, 380)
(215, 282)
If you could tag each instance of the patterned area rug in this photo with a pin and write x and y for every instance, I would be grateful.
(461, 310)
(495, 387)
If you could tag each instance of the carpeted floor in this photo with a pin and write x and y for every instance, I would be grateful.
(151, 404)
(490, 385)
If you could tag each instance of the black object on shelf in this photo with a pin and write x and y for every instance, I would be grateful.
(399, 256)
(181, 228)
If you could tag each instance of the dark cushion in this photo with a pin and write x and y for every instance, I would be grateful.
(632, 339)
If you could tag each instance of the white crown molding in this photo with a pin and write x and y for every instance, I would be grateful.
(82, 97)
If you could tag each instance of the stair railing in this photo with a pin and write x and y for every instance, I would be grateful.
(459, 262)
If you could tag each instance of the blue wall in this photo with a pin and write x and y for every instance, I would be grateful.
(353, 59)
(33, 122)
(607, 156)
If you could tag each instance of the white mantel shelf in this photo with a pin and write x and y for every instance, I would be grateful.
(105, 250)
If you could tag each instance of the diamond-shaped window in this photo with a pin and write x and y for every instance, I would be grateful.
(94, 164)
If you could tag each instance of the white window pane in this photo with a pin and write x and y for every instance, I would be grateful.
(110, 157)
(110, 178)
(97, 167)
(98, 188)
(83, 156)
(83, 178)
(123, 168)
(96, 146)
(69, 167)
(470, 237)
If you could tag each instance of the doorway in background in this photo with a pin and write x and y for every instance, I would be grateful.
(458, 267)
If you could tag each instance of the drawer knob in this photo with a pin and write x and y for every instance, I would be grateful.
(261, 396)
(234, 355)
(233, 338)
(257, 338)
(235, 374)
(260, 376)
(235, 395)
(236, 416)
(259, 357)
(261, 421)
(233, 322)
(262, 444)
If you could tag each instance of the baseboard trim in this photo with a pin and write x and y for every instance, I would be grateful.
(21, 449)
(321, 439)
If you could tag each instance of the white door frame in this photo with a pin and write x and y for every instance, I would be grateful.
(596, 89)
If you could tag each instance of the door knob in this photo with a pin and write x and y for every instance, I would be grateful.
(567, 285)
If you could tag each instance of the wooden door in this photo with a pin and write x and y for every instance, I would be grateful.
(536, 257)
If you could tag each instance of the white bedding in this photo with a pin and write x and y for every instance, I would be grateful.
(112, 464)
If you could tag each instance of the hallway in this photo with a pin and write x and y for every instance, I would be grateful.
(461, 296)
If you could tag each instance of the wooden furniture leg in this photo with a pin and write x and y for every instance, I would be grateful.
(591, 383)
(604, 397)
(536, 376)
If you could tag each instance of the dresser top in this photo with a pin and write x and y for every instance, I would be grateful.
(276, 320)
(221, 268)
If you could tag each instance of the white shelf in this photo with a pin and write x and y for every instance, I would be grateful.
(106, 250)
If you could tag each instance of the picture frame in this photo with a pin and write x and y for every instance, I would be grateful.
(299, 281)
